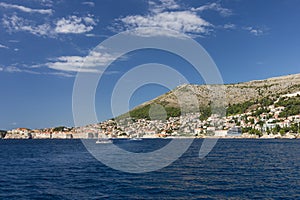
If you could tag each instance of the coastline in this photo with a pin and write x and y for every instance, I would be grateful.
(264, 137)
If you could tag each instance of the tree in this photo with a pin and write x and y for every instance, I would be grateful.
(205, 113)
(59, 128)
(294, 128)
(282, 132)
(261, 123)
(268, 130)
(276, 129)
(256, 132)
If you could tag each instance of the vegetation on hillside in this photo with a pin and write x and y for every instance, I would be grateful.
(292, 106)
(143, 112)
(205, 113)
(60, 128)
(238, 108)
(243, 97)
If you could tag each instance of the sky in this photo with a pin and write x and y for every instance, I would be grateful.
(44, 43)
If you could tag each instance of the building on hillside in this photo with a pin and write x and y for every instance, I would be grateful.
(198, 131)
(20, 131)
(220, 133)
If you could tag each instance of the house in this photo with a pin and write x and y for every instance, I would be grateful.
(220, 133)
(198, 131)
(41, 135)
(20, 131)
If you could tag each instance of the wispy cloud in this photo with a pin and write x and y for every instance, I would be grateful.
(163, 5)
(15, 68)
(13, 41)
(229, 26)
(26, 69)
(90, 35)
(88, 3)
(34, 69)
(66, 25)
(62, 74)
(26, 9)
(180, 21)
(255, 31)
(89, 64)
(3, 46)
(12, 69)
(225, 12)
(74, 24)
(15, 24)
(166, 15)
(48, 3)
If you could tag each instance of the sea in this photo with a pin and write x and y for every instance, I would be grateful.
(234, 169)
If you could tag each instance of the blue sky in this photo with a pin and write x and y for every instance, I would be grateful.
(42, 43)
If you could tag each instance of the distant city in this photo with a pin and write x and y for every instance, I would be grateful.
(267, 121)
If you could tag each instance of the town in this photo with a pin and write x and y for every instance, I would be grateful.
(278, 119)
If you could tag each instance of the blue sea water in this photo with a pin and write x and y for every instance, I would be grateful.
(235, 169)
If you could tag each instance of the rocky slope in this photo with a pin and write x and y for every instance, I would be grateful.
(224, 95)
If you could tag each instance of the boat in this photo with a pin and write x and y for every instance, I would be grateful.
(136, 139)
(104, 141)
(235, 131)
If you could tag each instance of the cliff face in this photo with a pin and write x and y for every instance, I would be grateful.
(228, 94)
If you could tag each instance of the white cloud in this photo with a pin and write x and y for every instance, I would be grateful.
(229, 26)
(88, 3)
(66, 66)
(3, 46)
(74, 24)
(62, 74)
(26, 9)
(15, 24)
(225, 12)
(90, 63)
(168, 15)
(13, 41)
(179, 21)
(90, 35)
(48, 3)
(255, 31)
(163, 5)
(15, 69)
(70, 24)
(12, 69)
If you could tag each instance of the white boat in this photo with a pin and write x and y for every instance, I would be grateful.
(103, 141)
(137, 139)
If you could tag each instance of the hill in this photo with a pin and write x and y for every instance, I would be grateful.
(237, 98)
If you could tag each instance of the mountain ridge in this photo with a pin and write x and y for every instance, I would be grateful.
(234, 93)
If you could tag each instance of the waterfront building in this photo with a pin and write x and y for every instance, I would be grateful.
(235, 131)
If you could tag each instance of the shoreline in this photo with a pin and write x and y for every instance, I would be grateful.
(172, 137)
